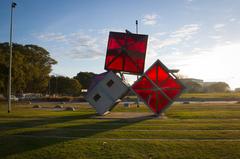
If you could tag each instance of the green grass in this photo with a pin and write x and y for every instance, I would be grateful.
(234, 95)
(190, 131)
(223, 96)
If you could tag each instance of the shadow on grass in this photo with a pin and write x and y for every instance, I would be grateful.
(33, 140)
(43, 121)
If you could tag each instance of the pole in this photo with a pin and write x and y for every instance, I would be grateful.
(137, 75)
(13, 5)
(136, 26)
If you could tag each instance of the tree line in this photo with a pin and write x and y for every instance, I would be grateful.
(215, 87)
(65, 86)
(31, 68)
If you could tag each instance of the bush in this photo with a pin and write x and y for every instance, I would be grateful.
(37, 106)
(70, 108)
(58, 107)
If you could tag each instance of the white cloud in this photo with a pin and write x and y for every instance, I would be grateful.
(219, 27)
(216, 37)
(80, 39)
(82, 46)
(86, 46)
(86, 53)
(180, 35)
(150, 19)
(156, 44)
(169, 42)
(232, 19)
(52, 37)
(160, 33)
(186, 31)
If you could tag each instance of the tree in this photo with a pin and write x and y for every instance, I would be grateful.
(218, 87)
(64, 86)
(40, 64)
(237, 90)
(193, 87)
(3, 77)
(30, 68)
(180, 76)
(84, 78)
(3, 68)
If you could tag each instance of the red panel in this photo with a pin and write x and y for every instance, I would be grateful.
(113, 44)
(172, 93)
(129, 65)
(143, 83)
(170, 83)
(157, 87)
(162, 103)
(131, 48)
(152, 101)
(157, 74)
(139, 46)
(117, 63)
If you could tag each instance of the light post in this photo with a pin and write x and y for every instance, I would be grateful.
(137, 75)
(136, 26)
(13, 5)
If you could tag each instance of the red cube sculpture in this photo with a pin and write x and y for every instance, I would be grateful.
(126, 52)
(158, 87)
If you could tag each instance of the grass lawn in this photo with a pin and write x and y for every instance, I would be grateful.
(190, 131)
(235, 95)
(222, 96)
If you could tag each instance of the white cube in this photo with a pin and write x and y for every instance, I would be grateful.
(106, 92)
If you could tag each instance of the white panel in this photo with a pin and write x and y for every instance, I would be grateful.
(105, 94)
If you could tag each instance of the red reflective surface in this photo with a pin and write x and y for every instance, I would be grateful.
(158, 88)
(126, 52)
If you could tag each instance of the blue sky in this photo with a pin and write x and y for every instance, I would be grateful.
(199, 37)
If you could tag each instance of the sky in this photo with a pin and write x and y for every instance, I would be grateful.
(201, 38)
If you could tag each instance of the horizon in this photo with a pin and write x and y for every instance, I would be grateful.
(198, 37)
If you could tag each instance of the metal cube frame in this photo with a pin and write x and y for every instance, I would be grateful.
(105, 94)
(162, 77)
(126, 52)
